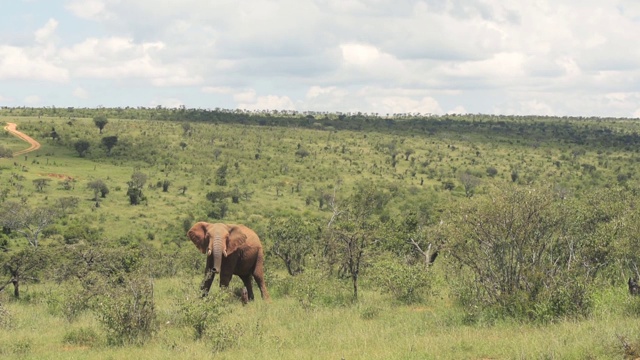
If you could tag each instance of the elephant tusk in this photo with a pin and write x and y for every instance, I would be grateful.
(224, 253)
(209, 252)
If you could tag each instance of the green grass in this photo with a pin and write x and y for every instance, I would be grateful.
(285, 329)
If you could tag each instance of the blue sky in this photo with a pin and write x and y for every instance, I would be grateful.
(542, 57)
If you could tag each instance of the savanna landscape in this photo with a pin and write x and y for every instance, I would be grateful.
(397, 236)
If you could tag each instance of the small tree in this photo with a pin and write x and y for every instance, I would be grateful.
(25, 220)
(407, 153)
(23, 266)
(293, 240)
(353, 228)
(99, 187)
(109, 142)
(221, 175)
(82, 147)
(186, 128)
(100, 121)
(67, 203)
(469, 182)
(136, 184)
(40, 184)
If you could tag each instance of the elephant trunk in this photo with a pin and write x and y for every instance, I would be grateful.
(217, 253)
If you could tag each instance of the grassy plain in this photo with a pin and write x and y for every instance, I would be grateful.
(375, 328)
(274, 179)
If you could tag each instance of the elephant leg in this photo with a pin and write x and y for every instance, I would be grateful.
(225, 279)
(247, 284)
(258, 275)
(209, 275)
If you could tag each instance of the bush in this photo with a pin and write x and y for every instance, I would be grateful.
(201, 313)
(81, 337)
(127, 312)
(312, 288)
(406, 283)
(225, 336)
(529, 255)
(5, 152)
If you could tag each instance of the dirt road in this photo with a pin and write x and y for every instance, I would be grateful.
(11, 128)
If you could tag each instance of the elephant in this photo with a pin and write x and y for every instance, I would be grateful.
(231, 249)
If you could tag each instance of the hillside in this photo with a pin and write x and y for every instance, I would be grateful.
(532, 220)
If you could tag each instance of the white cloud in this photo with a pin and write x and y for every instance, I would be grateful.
(88, 9)
(216, 90)
(32, 100)
(45, 33)
(122, 58)
(250, 101)
(29, 64)
(80, 93)
(354, 55)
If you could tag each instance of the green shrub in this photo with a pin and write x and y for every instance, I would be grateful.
(406, 283)
(225, 336)
(82, 337)
(312, 288)
(201, 313)
(127, 311)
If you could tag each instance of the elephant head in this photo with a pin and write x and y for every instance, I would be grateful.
(216, 240)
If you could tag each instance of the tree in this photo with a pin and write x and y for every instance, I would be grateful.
(216, 153)
(523, 255)
(136, 184)
(100, 121)
(293, 240)
(40, 184)
(469, 182)
(109, 142)
(99, 187)
(186, 128)
(165, 185)
(353, 228)
(407, 153)
(64, 204)
(22, 266)
(25, 220)
(221, 175)
(82, 147)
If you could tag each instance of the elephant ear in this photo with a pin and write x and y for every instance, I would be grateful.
(199, 236)
(236, 238)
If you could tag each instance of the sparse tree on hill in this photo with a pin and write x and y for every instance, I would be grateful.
(25, 220)
(100, 121)
(99, 187)
(40, 184)
(82, 147)
(109, 142)
(136, 184)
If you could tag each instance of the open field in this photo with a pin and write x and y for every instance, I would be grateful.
(432, 174)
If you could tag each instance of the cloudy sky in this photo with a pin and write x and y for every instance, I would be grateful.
(545, 57)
